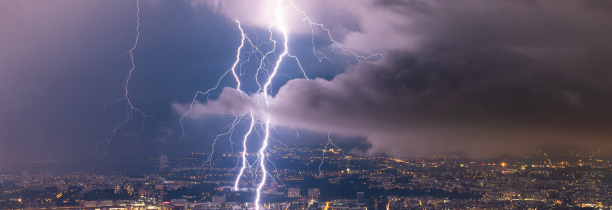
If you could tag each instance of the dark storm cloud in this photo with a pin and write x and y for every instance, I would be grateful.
(491, 96)
(486, 77)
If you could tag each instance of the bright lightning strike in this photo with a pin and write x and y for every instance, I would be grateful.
(266, 122)
(262, 151)
(244, 152)
(238, 56)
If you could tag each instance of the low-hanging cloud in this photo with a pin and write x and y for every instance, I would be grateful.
(416, 104)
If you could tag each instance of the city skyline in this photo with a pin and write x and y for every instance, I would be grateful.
(541, 180)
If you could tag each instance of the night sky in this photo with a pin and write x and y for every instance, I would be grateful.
(476, 77)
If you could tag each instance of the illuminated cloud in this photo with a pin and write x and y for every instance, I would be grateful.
(486, 78)
(363, 26)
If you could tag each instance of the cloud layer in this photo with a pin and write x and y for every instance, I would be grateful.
(482, 77)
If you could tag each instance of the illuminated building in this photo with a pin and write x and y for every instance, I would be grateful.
(314, 192)
(294, 193)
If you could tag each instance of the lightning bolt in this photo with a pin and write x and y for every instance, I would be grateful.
(262, 151)
(244, 152)
(238, 56)
(334, 42)
(329, 141)
(230, 132)
(130, 108)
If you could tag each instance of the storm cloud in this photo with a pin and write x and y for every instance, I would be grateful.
(481, 77)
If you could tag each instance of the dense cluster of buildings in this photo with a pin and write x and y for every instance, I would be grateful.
(438, 182)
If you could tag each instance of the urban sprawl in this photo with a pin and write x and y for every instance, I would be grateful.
(300, 178)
